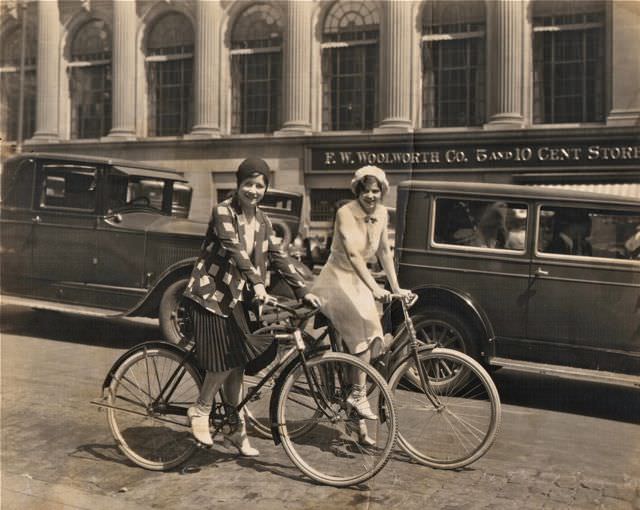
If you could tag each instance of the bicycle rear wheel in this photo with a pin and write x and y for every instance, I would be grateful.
(330, 452)
(153, 431)
(454, 421)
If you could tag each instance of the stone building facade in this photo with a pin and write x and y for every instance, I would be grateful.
(525, 91)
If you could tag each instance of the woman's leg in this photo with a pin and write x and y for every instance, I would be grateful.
(199, 414)
(233, 395)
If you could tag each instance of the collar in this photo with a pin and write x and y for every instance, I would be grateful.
(359, 212)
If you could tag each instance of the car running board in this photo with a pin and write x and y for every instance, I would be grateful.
(52, 306)
(581, 374)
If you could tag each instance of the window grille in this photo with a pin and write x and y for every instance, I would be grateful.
(10, 50)
(90, 81)
(256, 70)
(170, 75)
(350, 66)
(453, 64)
(324, 202)
(569, 63)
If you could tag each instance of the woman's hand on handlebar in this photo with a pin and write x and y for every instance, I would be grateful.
(312, 300)
(262, 296)
(382, 295)
(406, 295)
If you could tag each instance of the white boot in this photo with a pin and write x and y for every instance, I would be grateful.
(240, 441)
(200, 425)
(358, 400)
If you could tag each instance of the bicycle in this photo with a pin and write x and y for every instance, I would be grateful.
(448, 408)
(149, 389)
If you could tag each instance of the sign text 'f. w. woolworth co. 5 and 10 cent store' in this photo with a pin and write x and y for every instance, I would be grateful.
(402, 156)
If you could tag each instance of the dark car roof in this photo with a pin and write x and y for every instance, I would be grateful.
(516, 191)
(158, 171)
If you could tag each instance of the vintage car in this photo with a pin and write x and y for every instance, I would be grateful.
(107, 237)
(531, 278)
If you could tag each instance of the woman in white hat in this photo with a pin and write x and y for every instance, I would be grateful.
(346, 286)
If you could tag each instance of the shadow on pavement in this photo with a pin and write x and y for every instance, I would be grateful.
(568, 396)
(57, 326)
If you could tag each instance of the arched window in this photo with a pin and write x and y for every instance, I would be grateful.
(90, 81)
(256, 70)
(568, 61)
(11, 83)
(350, 66)
(170, 75)
(453, 63)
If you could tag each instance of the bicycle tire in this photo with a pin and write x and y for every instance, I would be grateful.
(257, 408)
(329, 453)
(149, 438)
(467, 421)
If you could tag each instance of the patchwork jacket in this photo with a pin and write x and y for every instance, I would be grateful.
(224, 269)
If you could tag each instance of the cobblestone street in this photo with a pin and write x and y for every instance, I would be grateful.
(562, 444)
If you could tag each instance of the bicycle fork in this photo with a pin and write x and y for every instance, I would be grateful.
(413, 343)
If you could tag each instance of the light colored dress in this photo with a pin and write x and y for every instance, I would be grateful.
(346, 299)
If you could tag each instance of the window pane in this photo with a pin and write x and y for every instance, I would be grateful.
(324, 202)
(350, 73)
(453, 71)
(69, 188)
(589, 233)
(568, 74)
(481, 224)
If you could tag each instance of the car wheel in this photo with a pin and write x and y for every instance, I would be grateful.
(445, 328)
(172, 314)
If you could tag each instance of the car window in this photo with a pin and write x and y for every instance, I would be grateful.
(68, 187)
(480, 224)
(589, 232)
(181, 200)
(135, 192)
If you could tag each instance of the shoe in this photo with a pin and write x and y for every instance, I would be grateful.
(363, 437)
(357, 399)
(200, 425)
(240, 442)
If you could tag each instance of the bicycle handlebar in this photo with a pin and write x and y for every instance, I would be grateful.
(408, 300)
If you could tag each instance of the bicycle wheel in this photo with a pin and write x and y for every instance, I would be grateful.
(151, 430)
(257, 408)
(448, 425)
(331, 452)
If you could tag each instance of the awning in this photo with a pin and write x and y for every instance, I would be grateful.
(623, 189)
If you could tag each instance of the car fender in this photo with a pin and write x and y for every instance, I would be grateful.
(148, 305)
(181, 351)
(443, 296)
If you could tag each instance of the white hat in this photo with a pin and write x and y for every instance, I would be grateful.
(374, 171)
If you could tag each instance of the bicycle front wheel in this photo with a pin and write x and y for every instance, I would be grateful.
(455, 419)
(339, 448)
(150, 394)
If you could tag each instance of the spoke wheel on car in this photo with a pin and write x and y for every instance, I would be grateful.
(445, 329)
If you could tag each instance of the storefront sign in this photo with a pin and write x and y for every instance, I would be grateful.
(398, 157)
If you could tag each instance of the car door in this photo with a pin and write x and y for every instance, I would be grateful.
(64, 230)
(16, 226)
(132, 204)
(584, 303)
(478, 248)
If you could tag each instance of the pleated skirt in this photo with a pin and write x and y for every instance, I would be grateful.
(223, 343)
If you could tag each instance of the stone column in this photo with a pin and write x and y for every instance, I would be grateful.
(207, 70)
(625, 92)
(506, 29)
(396, 43)
(296, 101)
(123, 106)
(48, 72)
